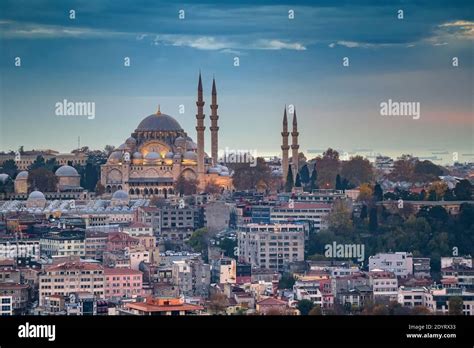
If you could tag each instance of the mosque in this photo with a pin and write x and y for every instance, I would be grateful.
(159, 151)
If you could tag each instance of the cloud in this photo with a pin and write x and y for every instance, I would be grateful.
(226, 45)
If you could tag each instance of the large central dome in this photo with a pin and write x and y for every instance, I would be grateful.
(159, 122)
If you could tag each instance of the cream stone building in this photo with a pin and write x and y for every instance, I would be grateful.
(159, 151)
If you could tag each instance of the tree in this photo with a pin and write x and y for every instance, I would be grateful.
(186, 186)
(304, 174)
(420, 310)
(363, 212)
(378, 193)
(463, 190)
(357, 170)
(426, 171)
(328, 167)
(91, 176)
(316, 310)
(305, 306)
(339, 219)
(108, 149)
(99, 188)
(9, 167)
(38, 163)
(286, 281)
(198, 240)
(298, 180)
(212, 188)
(289, 180)
(437, 190)
(338, 182)
(42, 180)
(217, 303)
(313, 181)
(373, 219)
(455, 304)
(403, 168)
(365, 193)
(246, 177)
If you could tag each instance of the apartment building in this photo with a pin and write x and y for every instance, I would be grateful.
(122, 283)
(271, 245)
(70, 277)
(400, 263)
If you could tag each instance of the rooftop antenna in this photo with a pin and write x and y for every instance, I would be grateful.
(78, 142)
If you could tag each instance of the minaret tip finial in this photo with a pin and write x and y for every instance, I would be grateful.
(158, 112)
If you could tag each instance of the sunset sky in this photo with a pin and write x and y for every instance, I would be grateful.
(282, 61)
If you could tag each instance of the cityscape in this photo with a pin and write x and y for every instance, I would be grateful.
(154, 203)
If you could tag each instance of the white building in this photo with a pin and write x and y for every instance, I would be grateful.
(437, 300)
(400, 263)
(308, 290)
(61, 245)
(384, 285)
(270, 245)
(412, 297)
(137, 229)
(314, 212)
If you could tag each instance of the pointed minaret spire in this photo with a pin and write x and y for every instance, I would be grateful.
(285, 147)
(200, 128)
(214, 128)
(294, 144)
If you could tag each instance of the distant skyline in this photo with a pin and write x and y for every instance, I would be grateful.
(282, 61)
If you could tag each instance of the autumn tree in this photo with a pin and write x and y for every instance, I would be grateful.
(455, 304)
(339, 219)
(403, 168)
(365, 193)
(328, 167)
(217, 303)
(357, 170)
(247, 177)
(186, 186)
(42, 180)
(212, 188)
(437, 189)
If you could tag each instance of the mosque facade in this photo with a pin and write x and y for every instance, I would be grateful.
(159, 151)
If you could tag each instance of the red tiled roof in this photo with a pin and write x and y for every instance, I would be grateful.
(271, 301)
(86, 266)
(146, 307)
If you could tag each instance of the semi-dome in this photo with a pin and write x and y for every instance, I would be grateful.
(152, 156)
(137, 155)
(131, 142)
(191, 145)
(169, 155)
(37, 195)
(120, 194)
(123, 147)
(115, 157)
(190, 155)
(214, 170)
(159, 122)
(66, 171)
(23, 175)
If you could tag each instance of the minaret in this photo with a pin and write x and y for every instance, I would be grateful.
(294, 144)
(200, 128)
(284, 146)
(214, 128)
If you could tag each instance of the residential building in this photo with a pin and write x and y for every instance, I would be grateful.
(70, 277)
(271, 245)
(122, 283)
(400, 263)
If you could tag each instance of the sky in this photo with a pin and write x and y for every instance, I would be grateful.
(282, 61)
